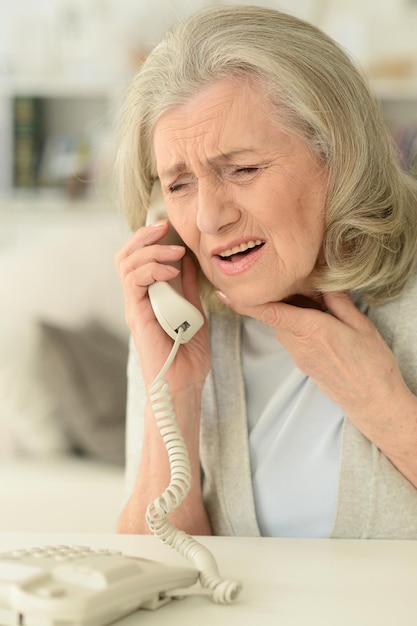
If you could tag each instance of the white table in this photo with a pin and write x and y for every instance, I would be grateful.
(286, 582)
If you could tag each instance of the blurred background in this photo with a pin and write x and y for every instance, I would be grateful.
(64, 66)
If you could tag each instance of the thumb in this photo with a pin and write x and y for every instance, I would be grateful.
(342, 307)
(277, 315)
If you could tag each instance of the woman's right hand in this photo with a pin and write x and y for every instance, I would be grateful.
(141, 262)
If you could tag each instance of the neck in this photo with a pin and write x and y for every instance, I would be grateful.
(307, 302)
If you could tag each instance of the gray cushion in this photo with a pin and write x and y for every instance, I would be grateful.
(84, 371)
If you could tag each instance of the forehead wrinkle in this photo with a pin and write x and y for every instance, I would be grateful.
(205, 130)
(221, 158)
(184, 134)
(193, 132)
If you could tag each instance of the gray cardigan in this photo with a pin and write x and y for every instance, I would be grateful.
(374, 499)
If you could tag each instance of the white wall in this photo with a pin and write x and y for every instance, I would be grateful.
(375, 30)
(98, 35)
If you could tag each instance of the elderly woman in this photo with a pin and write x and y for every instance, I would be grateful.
(297, 398)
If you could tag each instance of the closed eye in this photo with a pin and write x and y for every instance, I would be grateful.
(176, 187)
(244, 174)
(246, 170)
(180, 184)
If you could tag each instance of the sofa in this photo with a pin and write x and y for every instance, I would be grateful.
(63, 352)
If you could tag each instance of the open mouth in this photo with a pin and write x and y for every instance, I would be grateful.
(241, 250)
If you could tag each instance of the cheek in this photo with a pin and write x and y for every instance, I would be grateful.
(187, 230)
(297, 240)
(304, 224)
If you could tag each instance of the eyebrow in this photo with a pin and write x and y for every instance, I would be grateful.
(223, 157)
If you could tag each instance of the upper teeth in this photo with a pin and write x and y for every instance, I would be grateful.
(241, 248)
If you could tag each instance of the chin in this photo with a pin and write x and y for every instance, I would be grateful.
(254, 299)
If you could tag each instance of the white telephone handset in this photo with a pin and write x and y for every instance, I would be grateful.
(181, 320)
(171, 309)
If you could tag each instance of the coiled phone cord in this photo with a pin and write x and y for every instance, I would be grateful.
(222, 591)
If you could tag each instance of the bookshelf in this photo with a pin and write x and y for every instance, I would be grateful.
(398, 98)
(56, 139)
(76, 120)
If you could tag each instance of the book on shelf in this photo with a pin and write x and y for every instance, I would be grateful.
(6, 145)
(43, 160)
(28, 140)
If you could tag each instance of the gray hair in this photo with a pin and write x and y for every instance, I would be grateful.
(319, 94)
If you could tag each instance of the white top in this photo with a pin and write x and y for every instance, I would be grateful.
(294, 439)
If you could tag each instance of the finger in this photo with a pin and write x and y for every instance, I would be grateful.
(280, 316)
(144, 236)
(341, 306)
(151, 255)
(151, 273)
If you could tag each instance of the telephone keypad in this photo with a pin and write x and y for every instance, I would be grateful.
(76, 584)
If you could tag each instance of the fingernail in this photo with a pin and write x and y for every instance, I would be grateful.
(158, 223)
(222, 297)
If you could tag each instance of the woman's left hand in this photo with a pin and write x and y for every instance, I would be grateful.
(342, 351)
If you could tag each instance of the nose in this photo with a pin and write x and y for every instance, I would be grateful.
(216, 210)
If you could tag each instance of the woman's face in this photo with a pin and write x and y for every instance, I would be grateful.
(245, 196)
